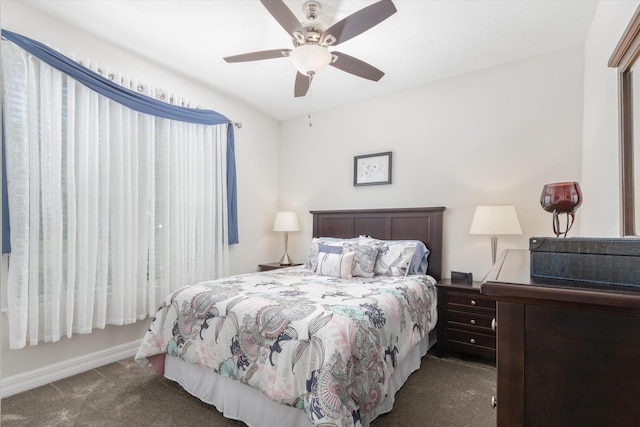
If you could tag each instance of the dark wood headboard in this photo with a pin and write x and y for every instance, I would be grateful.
(424, 224)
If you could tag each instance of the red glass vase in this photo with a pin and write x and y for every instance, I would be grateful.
(558, 198)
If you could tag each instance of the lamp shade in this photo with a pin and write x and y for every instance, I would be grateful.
(310, 58)
(497, 220)
(286, 221)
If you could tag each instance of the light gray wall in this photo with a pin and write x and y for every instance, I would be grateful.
(494, 136)
(600, 212)
(256, 159)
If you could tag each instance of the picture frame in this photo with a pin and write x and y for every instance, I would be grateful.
(372, 169)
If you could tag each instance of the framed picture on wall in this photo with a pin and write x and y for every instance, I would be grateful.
(372, 169)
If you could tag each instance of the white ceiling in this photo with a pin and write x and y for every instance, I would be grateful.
(422, 42)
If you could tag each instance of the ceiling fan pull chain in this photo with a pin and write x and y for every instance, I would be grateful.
(309, 98)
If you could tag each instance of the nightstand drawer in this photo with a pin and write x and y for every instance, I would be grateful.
(464, 319)
(470, 338)
(458, 319)
(470, 300)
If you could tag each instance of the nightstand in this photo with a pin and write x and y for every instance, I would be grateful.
(273, 266)
(466, 319)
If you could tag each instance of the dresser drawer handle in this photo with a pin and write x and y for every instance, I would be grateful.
(494, 402)
(494, 324)
(473, 302)
(472, 341)
(473, 322)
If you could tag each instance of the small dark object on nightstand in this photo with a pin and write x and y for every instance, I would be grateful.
(457, 276)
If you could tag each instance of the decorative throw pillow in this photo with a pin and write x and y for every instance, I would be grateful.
(417, 265)
(335, 265)
(380, 245)
(330, 249)
(364, 260)
(395, 259)
(394, 256)
(312, 258)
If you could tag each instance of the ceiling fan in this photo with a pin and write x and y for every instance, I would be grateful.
(311, 41)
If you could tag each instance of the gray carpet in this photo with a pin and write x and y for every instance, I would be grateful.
(451, 391)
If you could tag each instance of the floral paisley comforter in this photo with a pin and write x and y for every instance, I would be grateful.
(324, 345)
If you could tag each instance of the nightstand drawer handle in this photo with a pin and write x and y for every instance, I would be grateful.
(494, 402)
(473, 322)
(473, 302)
(494, 324)
(472, 341)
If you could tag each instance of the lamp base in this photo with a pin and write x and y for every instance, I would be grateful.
(286, 259)
(494, 248)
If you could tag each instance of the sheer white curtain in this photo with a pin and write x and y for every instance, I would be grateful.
(190, 232)
(110, 209)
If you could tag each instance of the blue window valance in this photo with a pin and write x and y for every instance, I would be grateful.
(135, 101)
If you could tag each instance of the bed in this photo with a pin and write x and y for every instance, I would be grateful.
(310, 345)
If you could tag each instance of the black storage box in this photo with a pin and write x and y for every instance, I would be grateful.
(601, 260)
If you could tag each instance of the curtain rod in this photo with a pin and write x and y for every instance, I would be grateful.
(66, 64)
(160, 93)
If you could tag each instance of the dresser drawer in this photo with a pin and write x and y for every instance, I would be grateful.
(456, 300)
(470, 338)
(469, 321)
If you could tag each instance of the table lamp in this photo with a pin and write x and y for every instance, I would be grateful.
(286, 221)
(494, 221)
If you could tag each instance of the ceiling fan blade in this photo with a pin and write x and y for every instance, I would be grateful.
(285, 18)
(302, 85)
(356, 67)
(360, 21)
(257, 56)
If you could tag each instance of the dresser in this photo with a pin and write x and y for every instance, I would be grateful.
(465, 319)
(568, 353)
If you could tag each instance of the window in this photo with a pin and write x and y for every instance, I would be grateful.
(111, 208)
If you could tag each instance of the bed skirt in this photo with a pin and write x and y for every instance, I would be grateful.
(240, 402)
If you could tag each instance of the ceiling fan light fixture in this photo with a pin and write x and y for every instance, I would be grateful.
(310, 58)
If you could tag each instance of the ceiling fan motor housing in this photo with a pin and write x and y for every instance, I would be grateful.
(314, 35)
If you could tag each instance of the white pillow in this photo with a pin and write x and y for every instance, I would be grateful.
(335, 265)
(394, 256)
(395, 260)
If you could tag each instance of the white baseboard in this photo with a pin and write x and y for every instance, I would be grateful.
(35, 378)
